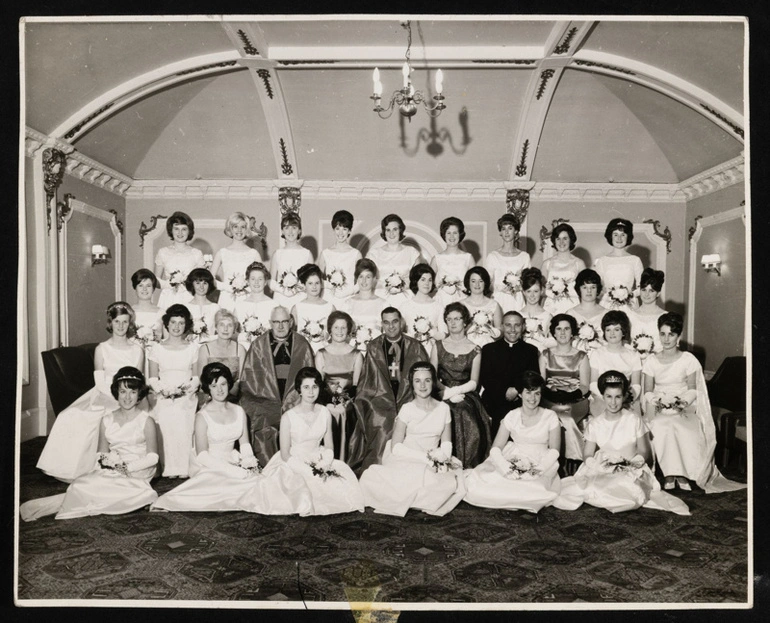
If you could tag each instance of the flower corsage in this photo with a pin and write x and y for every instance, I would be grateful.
(587, 337)
(313, 331)
(172, 391)
(522, 468)
(619, 296)
(450, 284)
(111, 461)
(253, 327)
(145, 336)
(238, 285)
(322, 466)
(249, 463)
(394, 283)
(289, 283)
(336, 279)
(615, 464)
(176, 280)
(362, 337)
(200, 330)
(643, 344)
(422, 328)
(512, 282)
(557, 288)
(439, 461)
(669, 405)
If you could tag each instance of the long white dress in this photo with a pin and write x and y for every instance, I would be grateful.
(393, 266)
(340, 265)
(404, 482)
(172, 260)
(424, 322)
(311, 322)
(624, 270)
(104, 492)
(560, 284)
(309, 494)
(489, 488)
(234, 263)
(600, 482)
(148, 321)
(684, 443)
(203, 318)
(285, 264)
(500, 266)
(481, 330)
(175, 416)
(213, 487)
(367, 314)
(71, 446)
(537, 329)
(645, 326)
(585, 324)
(260, 312)
(450, 272)
(627, 361)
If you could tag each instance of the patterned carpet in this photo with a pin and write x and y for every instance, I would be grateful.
(472, 555)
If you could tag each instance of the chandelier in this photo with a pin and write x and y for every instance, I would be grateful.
(406, 98)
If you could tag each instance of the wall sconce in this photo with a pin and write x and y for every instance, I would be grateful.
(99, 254)
(711, 263)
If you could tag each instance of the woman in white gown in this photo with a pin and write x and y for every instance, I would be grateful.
(310, 314)
(486, 314)
(231, 261)
(71, 444)
(677, 410)
(645, 338)
(615, 474)
(417, 469)
(338, 262)
(521, 472)
(286, 261)
(172, 365)
(452, 263)
(253, 311)
(365, 307)
(200, 283)
(149, 326)
(505, 265)
(304, 469)
(560, 271)
(424, 314)
(394, 261)
(588, 313)
(620, 271)
(219, 474)
(537, 320)
(174, 262)
(125, 461)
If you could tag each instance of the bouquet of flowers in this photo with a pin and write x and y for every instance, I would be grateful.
(423, 328)
(450, 284)
(439, 461)
(643, 344)
(669, 405)
(172, 391)
(533, 328)
(340, 395)
(111, 461)
(313, 331)
(557, 288)
(176, 280)
(512, 282)
(322, 466)
(249, 463)
(289, 282)
(394, 283)
(238, 285)
(619, 296)
(253, 327)
(587, 337)
(200, 330)
(336, 279)
(481, 325)
(522, 467)
(145, 336)
(617, 463)
(362, 337)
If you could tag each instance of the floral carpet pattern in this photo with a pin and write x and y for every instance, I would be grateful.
(472, 555)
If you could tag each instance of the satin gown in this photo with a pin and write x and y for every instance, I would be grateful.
(624, 270)
(627, 361)
(646, 325)
(312, 318)
(338, 375)
(482, 331)
(261, 311)
(288, 261)
(499, 266)
(453, 267)
(173, 260)
(206, 313)
(404, 482)
(560, 272)
(367, 314)
(216, 486)
(388, 264)
(234, 263)
(71, 445)
(345, 264)
(471, 437)
(146, 321)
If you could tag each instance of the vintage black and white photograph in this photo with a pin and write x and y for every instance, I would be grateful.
(384, 313)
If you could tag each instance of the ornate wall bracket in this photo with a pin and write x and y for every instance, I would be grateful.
(665, 234)
(118, 222)
(521, 168)
(259, 232)
(694, 228)
(63, 210)
(545, 233)
(144, 229)
(54, 163)
(517, 203)
(290, 199)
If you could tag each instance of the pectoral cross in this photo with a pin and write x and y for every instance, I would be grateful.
(394, 369)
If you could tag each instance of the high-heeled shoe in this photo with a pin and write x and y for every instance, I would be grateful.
(669, 483)
(684, 484)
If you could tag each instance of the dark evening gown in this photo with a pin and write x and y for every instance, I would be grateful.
(338, 373)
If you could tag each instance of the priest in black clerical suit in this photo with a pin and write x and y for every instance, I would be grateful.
(383, 388)
(502, 368)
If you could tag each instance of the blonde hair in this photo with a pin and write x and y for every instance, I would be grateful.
(236, 217)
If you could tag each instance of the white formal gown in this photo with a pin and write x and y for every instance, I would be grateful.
(343, 266)
(173, 260)
(500, 266)
(450, 272)
(389, 265)
(560, 285)
(285, 264)
(234, 263)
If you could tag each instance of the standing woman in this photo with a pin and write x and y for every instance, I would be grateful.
(588, 313)
(310, 314)
(149, 326)
(486, 315)
(620, 271)
(225, 350)
(452, 263)
(71, 445)
(231, 261)
(506, 263)
(560, 271)
(172, 366)
(458, 362)
(174, 262)
(338, 262)
(286, 262)
(394, 261)
(365, 306)
(253, 311)
(200, 283)
(644, 319)
(536, 319)
(424, 314)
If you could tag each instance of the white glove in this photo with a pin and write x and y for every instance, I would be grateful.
(154, 383)
(457, 398)
(327, 457)
(690, 396)
(232, 471)
(548, 459)
(148, 460)
(501, 464)
(443, 452)
(246, 450)
(636, 391)
(100, 381)
(408, 453)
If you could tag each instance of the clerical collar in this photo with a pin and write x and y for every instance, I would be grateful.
(511, 344)
(398, 341)
(276, 340)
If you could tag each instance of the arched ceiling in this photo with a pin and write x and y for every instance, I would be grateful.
(267, 98)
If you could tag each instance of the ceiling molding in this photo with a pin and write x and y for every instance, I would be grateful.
(714, 179)
(97, 174)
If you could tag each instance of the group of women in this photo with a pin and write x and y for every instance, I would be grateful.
(614, 393)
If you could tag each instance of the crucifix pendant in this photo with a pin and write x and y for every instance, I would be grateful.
(393, 368)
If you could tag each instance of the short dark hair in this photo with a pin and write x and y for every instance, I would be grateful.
(531, 276)
(423, 365)
(456, 306)
(392, 218)
(306, 271)
(118, 308)
(619, 224)
(618, 317)
(416, 272)
(211, 372)
(344, 218)
(364, 264)
(447, 223)
(588, 276)
(292, 218)
(180, 311)
(129, 377)
(200, 274)
(563, 317)
(673, 321)
(308, 373)
(513, 312)
(613, 378)
(508, 218)
(532, 380)
(180, 218)
(481, 272)
(142, 274)
(652, 277)
(391, 310)
(340, 315)
(258, 266)
(570, 232)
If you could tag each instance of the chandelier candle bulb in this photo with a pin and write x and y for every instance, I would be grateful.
(377, 83)
(439, 82)
(405, 71)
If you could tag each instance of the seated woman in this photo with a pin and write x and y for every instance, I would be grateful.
(71, 444)
(304, 470)
(253, 311)
(457, 361)
(561, 269)
(200, 283)
(486, 314)
(424, 314)
(231, 261)
(567, 377)
(451, 264)
(125, 461)
(340, 363)
(394, 260)
(174, 262)
(149, 326)
(365, 306)
(620, 271)
(645, 338)
(521, 472)
(536, 319)
(224, 349)
(220, 474)
(287, 260)
(338, 262)
(311, 312)
(615, 474)
(172, 364)
(417, 469)
(677, 410)
(588, 312)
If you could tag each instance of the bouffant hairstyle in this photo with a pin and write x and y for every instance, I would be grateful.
(588, 276)
(131, 378)
(142, 274)
(508, 218)
(120, 308)
(214, 371)
(340, 315)
(222, 314)
(177, 310)
(291, 219)
(531, 276)
(362, 265)
(423, 365)
(416, 272)
(563, 317)
(619, 224)
(653, 278)
(570, 232)
(456, 306)
(673, 321)
(531, 381)
(308, 373)
(613, 378)
(343, 218)
(236, 217)
(180, 218)
(481, 272)
(259, 267)
(200, 274)
(618, 317)
(392, 218)
(308, 270)
(447, 223)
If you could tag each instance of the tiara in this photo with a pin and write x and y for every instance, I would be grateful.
(126, 377)
(614, 379)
